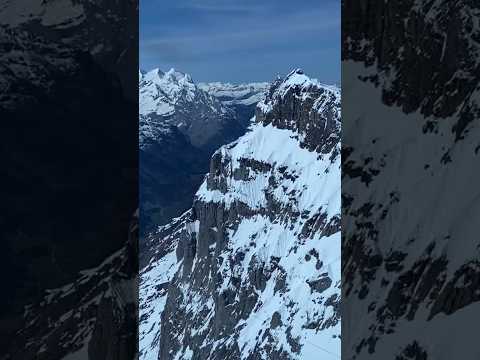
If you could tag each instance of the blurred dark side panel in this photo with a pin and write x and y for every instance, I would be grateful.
(69, 183)
(411, 156)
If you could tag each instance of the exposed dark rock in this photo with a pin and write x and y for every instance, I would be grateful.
(321, 284)
(276, 320)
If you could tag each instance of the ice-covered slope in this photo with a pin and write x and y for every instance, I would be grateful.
(257, 257)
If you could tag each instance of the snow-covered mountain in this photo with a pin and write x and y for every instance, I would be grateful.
(252, 270)
(410, 191)
(172, 99)
(181, 125)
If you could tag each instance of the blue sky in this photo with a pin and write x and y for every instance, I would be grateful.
(241, 40)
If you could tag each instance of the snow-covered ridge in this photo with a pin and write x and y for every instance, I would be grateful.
(270, 145)
(298, 78)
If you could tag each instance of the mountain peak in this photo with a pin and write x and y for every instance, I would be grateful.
(178, 76)
(297, 71)
(172, 99)
(298, 77)
(154, 75)
(305, 106)
(171, 76)
(298, 83)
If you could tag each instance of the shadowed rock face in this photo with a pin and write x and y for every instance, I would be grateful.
(433, 71)
(69, 165)
(410, 250)
(256, 267)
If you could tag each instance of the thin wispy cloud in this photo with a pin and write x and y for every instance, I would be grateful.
(216, 8)
(221, 6)
(227, 35)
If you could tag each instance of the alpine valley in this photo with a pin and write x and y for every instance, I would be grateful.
(251, 269)
(181, 125)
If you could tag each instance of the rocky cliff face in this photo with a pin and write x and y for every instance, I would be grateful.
(252, 271)
(410, 253)
(181, 125)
